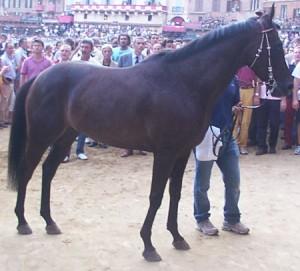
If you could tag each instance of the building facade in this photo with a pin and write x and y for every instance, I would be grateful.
(241, 9)
(135, 12)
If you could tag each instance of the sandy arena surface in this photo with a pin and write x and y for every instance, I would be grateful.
(100, 205)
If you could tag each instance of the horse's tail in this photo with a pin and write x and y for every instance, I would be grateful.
(18, 136)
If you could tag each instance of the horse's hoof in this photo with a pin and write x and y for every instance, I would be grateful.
(151, 256)
(53, 229)
(24, 229)
(181, 245)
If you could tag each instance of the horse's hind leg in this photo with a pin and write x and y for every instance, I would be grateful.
(175, 193)
(162, 166)
(31, 159)
(58, 152)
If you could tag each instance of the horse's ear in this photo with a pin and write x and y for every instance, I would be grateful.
(272, 11)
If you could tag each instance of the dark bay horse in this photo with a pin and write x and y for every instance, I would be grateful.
(163, 105)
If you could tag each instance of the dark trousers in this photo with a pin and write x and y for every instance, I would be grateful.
(288, 122)
(80, 143)
(268, 116)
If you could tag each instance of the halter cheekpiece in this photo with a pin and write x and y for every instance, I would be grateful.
(271, 81)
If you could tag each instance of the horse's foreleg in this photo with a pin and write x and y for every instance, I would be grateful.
(31, 159)
(162, 167)
(175, 193)
(58, 152)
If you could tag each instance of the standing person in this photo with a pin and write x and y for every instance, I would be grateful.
(228, 162)
(36, 63)
(3, 97)
(296, 105)
(123, 48)
(107, 52)
(268, 115)
(247, 82)
(7, 104)
(107, 62)
(289, 113)
(132, 59)
(21, 55)
(86, 48)
(3, 39)
(154, 39)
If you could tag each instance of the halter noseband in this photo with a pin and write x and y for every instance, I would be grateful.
(270, 82)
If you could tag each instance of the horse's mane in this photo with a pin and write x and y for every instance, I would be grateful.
(207, 41)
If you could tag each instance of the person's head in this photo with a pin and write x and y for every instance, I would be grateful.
(124, 40)
(65, 52)
(156, 48)
(169, 44)
(297, 54)
(296, 42)
(97, 43)
(49, 49)
(86, 46)
(37, 46)
(114, 42)
(3, 37)
(107, 51)
(154, 39)
(57, 45)
(71, 42)
(9, 48)
(23, 43)
(139, 45)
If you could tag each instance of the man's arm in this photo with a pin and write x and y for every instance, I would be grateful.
(295, 93)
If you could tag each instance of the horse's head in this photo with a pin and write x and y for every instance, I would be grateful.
(266, 56)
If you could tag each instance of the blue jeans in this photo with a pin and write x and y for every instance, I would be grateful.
(228, 163)
(80, 143)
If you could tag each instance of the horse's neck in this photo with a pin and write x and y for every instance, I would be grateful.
(215, 67)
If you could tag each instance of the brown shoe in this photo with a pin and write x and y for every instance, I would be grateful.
(207, 228)
(237, 228)
(127, 153)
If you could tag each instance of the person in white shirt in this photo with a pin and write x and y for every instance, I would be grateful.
(296, 105)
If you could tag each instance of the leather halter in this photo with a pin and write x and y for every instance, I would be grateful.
(271, 81)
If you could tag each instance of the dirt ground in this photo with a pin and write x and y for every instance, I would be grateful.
(100, 205)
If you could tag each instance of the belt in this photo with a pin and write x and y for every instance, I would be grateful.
(245, 87)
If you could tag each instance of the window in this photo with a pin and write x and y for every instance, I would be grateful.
(216, 5)
(254, 5)
(198, 5)
(297, 12)
(283, 11)
(233, 6)
(28, 3)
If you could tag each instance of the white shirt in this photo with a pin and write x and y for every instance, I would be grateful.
(134, 56)
(296, 71)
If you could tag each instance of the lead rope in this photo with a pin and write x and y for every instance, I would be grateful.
(217, 138)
